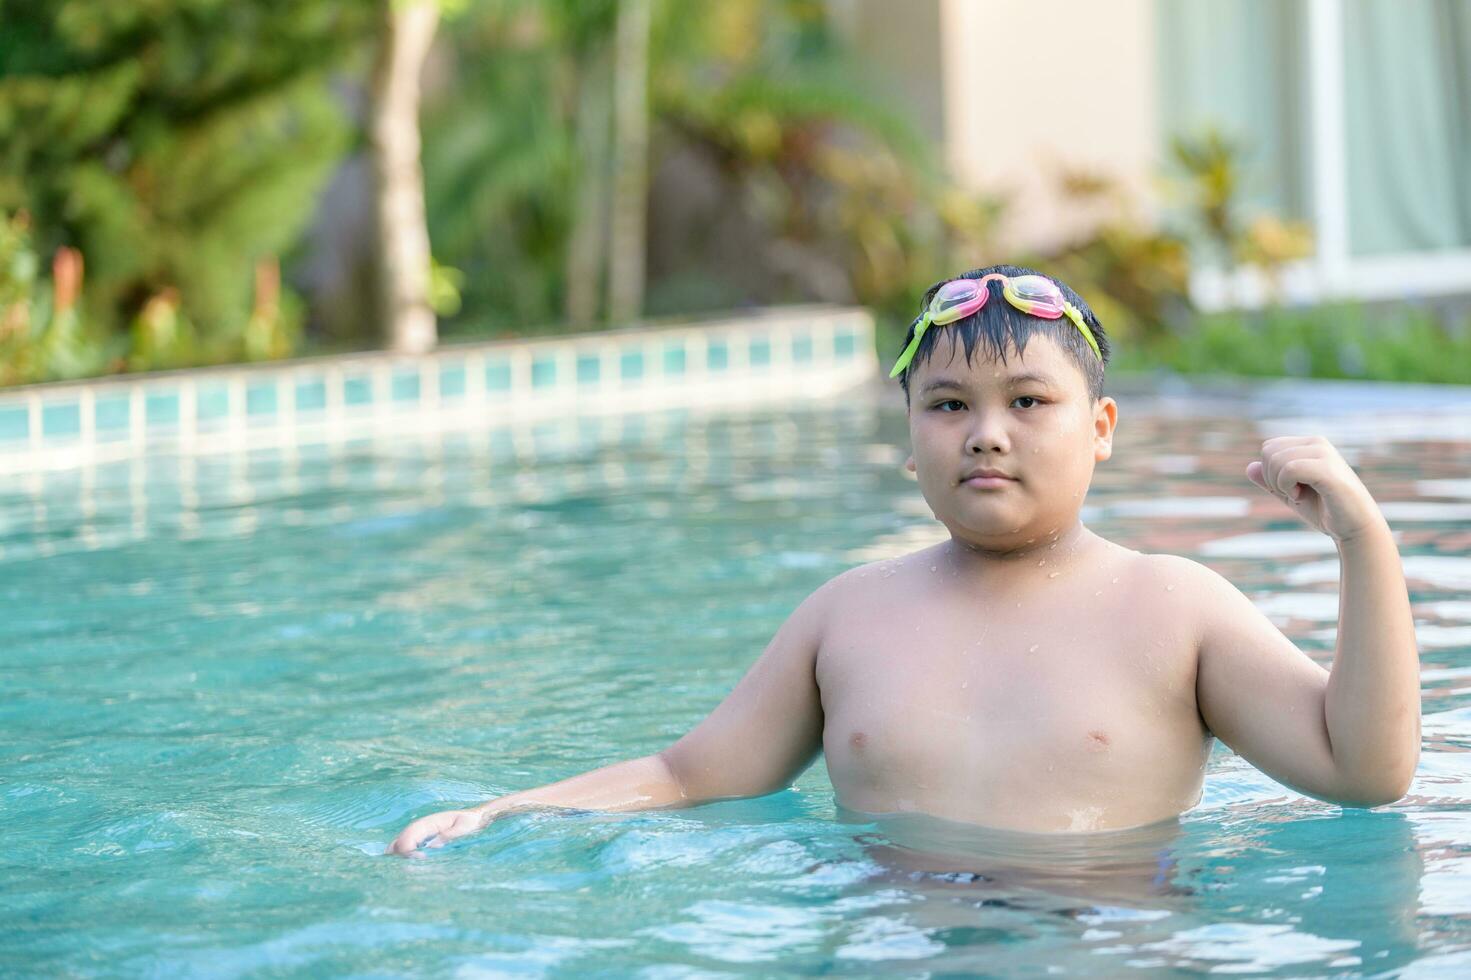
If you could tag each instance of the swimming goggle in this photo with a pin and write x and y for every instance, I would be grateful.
(959, 298)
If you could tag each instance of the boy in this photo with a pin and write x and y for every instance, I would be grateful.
(1027, 674)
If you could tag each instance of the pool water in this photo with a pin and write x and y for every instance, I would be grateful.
(227, 681)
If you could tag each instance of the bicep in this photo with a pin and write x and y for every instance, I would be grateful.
(768, 729)
(1259, 693)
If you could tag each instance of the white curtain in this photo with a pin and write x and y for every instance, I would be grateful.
(1407, 66)
(1237, 66)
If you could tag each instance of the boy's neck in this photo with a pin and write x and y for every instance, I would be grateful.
(1043, 554)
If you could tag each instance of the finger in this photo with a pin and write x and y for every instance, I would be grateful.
(1254, 471)
(1274, 463)
(1298, 475)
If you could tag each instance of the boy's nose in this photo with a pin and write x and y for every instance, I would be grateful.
(987, 437)
(986, 440)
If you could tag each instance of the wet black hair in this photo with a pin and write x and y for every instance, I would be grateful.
(999, 327)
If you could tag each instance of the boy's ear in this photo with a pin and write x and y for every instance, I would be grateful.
(1105, 420)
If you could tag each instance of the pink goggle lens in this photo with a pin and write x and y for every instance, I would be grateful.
(957, 299)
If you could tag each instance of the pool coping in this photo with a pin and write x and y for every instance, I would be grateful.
(765, 356)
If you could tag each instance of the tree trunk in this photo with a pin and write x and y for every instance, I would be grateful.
(393, 129)
(588, 240)
(630, 162)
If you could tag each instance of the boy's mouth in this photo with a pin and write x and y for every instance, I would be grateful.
(985, 478)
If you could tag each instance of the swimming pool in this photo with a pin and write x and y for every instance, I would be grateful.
(227, 681)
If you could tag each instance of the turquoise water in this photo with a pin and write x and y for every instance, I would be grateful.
(227, 682)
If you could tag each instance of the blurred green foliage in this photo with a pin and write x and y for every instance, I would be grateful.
(817, 172)
(1397, 342)
(175, 144)
(177, 149)
(42, 332)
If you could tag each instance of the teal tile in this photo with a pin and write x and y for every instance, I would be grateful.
(674, 358)
(260, 399)
(717, 355)
(845, 345)
(451, 381)
(357, 391)
(801, 349)
(498, 375)
(64, 419)
(211, 402)
(311, 396)
(112, 414)
(589, 369)
(760, 352)
(161, 409)
(15, 423)
(543, 371)
(404, 387)
(631, 365)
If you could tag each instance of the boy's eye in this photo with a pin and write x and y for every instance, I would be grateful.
(1023, 401)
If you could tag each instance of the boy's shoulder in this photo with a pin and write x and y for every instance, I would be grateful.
(866, 582)
(1184, 588)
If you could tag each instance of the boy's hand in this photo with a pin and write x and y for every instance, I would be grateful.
(436, 830)
(1309, 475)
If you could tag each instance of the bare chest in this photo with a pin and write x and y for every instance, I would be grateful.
(984, 720)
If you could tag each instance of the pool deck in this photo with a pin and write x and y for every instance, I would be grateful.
(757, 358)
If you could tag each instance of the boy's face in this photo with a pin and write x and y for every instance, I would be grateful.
(1030, 421)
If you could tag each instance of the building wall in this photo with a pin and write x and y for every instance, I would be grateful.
(1032, 89)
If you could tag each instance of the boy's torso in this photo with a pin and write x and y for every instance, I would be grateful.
(1069, 705)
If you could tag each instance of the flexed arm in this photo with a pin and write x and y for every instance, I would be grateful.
(755, 742)
(1351, 736)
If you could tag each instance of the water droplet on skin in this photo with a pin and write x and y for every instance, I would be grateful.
(1033, 648)
(932, 568)
(964, 685)
(1053, 574)
(1115, 581)
(1099, 592)
(1169, 588)
(1042, 562)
